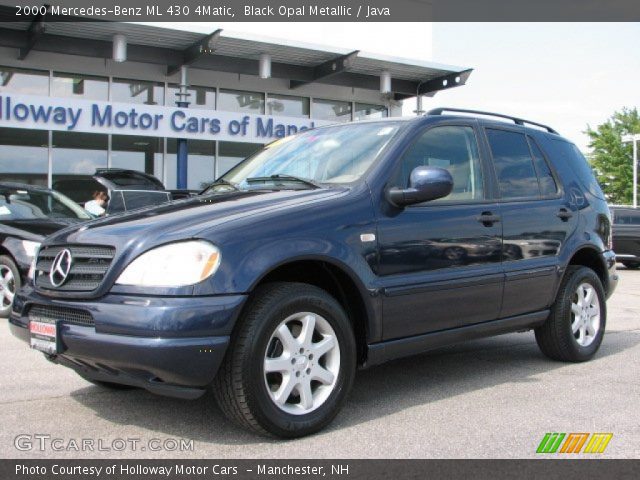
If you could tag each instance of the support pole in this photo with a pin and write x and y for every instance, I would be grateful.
(182, 152)
(635, 170)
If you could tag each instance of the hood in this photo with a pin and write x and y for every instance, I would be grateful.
(37, 229)
(183, 219)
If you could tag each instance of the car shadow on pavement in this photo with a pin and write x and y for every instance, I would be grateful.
(377, 392)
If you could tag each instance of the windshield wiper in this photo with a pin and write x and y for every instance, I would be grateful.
(279, 176)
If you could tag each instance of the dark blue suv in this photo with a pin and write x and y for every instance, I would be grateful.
(337, 248)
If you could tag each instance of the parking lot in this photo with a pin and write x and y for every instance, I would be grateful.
(488, 398)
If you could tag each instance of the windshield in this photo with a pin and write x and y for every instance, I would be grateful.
(38, 204)
(331, 155)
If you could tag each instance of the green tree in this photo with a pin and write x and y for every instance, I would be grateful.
(611, 159)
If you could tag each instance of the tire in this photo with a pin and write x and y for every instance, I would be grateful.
(632, 265)
(10, 282)
(249, 395)
(556, 337)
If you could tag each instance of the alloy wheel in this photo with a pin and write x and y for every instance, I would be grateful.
(301, 363)
(585, 314)
(7, 286)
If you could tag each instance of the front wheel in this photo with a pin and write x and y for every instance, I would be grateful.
(9, 284)
(574, 330)
(291, 362)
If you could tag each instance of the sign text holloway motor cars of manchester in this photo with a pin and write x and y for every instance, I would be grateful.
(50, 113)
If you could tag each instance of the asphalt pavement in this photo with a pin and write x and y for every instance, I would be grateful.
(491, 398)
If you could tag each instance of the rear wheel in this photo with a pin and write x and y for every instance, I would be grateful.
(631, 265)
(291, 362)
(574, 330)
(9, 284)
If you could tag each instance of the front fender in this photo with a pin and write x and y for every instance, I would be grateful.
(254, 268)
(330, 232)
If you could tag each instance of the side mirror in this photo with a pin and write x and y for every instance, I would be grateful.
(425, 184)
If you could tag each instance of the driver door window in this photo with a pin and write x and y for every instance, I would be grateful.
(455, 149)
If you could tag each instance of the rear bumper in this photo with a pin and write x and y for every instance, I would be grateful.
(167, 349)
(612, 276)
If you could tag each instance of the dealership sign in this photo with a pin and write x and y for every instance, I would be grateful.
(64, 114)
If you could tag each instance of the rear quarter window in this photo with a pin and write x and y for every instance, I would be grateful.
(565, 153)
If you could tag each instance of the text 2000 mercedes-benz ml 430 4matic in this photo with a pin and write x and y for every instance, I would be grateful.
(337, 248)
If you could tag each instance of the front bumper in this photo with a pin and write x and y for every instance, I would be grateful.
(167, 345)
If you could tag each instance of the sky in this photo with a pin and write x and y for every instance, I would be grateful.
(566, 75)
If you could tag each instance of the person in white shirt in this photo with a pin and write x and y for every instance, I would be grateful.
(98, 205)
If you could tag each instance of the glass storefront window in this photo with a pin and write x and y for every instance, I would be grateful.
(199, 97)
(332, 110)
(79, 86)
(238, 101)
(137, 91)
(18, 80)
(143, 154)
(232, 153)
(78, 155)
(24, 155)
(288, 106)
(370, 111)
(200, 164)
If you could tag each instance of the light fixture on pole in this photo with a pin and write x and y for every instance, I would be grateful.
(119, 48)
(634, 139)
(264, 66)
(385, 83)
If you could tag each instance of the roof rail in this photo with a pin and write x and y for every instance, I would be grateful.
(516, 120)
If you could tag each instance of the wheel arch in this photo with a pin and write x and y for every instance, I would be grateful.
(21, 264)
(340, 282)
(5, 252)
(590, 257)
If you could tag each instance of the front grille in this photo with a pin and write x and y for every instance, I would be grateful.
(51, 314)
(88, 266)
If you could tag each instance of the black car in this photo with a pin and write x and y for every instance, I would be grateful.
(127, 189)
(626, 236)
(340, 247)
(28, 214)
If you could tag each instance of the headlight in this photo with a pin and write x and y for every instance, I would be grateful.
(173, 265)
(30, 248)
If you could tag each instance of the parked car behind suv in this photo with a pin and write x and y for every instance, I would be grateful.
(27, 214)
(626, 236)
(126, 189)
(327, 251)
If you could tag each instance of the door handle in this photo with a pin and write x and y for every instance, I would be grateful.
(488, 218)
(564, 214)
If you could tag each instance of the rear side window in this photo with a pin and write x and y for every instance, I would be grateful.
(513, 163)
(548, 187)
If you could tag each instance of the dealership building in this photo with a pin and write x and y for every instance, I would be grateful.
(183, 106)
